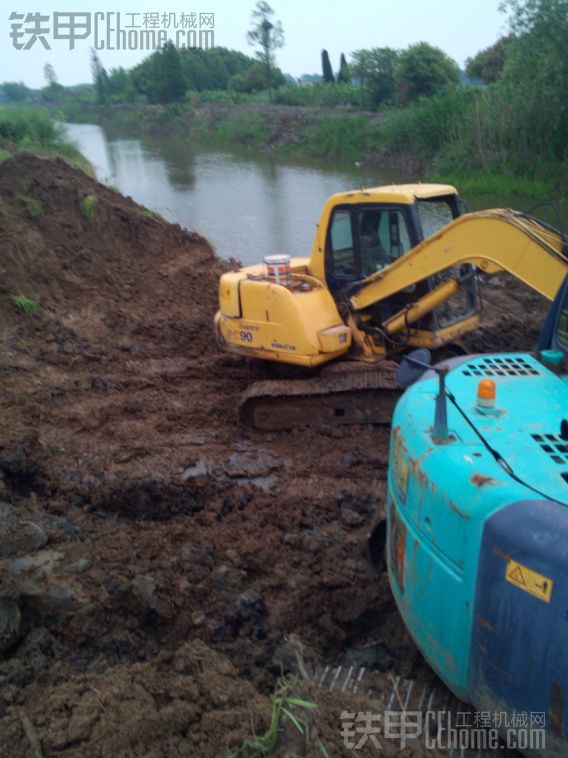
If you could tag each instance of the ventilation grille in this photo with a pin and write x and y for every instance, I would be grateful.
(502, 366)
(554, 446)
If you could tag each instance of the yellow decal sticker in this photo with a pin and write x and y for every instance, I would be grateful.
(530, 581)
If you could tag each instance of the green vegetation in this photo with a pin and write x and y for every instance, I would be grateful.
(375, 70)
(267, 35)
(33, 129)
(516, 127)
(488, 64)
(320, 95)
(284, 705)
(88, 208)
(33, 208)
(423, 70)
(344, 75)
(327, 71)
(25, 304)
(246, 130)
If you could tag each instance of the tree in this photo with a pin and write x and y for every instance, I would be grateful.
(267, 37)
(423, 70)
(16, 92)
(327, 71)
(120, 87)
(533, 82)
(54, 91)
(488, 64)
(545, 20)
(344, 76)
(100, 77)
(171, 83)
(50, 75)
(374, 68)
(254, 79)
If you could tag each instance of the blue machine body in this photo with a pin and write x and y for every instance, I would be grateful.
(477, 532)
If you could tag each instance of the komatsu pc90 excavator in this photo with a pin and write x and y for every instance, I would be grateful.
(391, 268)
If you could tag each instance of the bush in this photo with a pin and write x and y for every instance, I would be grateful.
(319, 95)
(430, 124)
(34, 129)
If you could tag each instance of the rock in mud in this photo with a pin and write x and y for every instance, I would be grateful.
(25, 537)
(42, 563)
(248, 607)
(10, 624)
(350, 517)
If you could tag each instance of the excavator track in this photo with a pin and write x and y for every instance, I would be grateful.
(355, 393)
(433, 710)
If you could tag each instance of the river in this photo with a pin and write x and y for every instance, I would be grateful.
(247, 206)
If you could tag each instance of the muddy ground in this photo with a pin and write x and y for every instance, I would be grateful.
(161, 566)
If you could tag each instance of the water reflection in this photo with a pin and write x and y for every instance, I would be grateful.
(246, 206)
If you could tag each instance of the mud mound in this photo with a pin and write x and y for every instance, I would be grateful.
(100, 267)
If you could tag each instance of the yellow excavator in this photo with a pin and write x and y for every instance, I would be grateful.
(391, 268)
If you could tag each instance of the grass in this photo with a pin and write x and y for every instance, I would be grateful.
(246, 130)
(25, 304)
(149, 213)
(88, 208)
(33, 207)
(284, 705)
(33, 130)
(319, 95)
(496, 184)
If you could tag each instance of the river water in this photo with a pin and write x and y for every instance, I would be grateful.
(246, 206)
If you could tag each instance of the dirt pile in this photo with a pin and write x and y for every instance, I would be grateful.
(156, 559)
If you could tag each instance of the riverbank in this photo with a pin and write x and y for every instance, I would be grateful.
(296, 132)
(285, 131)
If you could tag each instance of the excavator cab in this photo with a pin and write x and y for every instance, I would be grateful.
(363, 239)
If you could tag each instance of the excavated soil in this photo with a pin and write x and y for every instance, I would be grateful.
(160, 565)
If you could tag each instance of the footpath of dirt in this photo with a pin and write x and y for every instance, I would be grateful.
(161, 566)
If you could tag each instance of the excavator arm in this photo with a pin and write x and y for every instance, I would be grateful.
(494, 240)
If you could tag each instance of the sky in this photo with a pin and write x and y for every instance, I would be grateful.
(460, 27)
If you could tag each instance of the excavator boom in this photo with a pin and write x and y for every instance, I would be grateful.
(494, 240)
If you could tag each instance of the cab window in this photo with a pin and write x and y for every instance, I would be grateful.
(383, 237)
(342, 251)
(434, 214)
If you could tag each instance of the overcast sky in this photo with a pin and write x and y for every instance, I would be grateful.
(459, 27)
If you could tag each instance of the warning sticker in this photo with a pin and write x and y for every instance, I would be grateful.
(530, 581)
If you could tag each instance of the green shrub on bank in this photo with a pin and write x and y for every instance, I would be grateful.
(347, 137)
(35, 130)
(428, 125)
(247, 130)
(319, 95)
